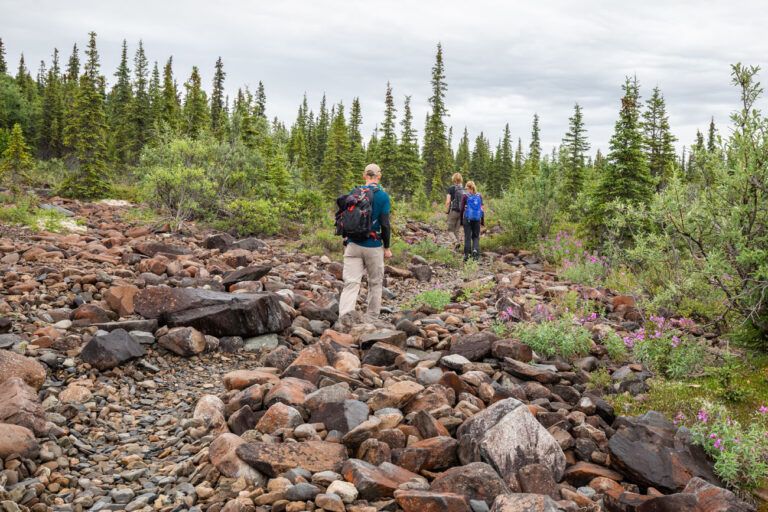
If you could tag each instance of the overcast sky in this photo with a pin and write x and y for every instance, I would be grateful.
(504, 60)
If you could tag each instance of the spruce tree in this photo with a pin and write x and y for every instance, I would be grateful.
(155, 92)
(3, 63)
(16, 162)
(534, 149)
(119, 103)
(357, 156)
(170, 106)
(408, 161)
(435, 153)
(260, 108)
(52, 127)
(387, 152)
(372, 149)
(519, 162)
(626, 177)
(337, 174)
(87, 134)
(195, 112)
(658, 139)
(320, 134)
(505, 164)
(712, 136)
(141, 107)
(575, 146)
(463, 157)
(481, 162)
(70, 85)
(218, 116)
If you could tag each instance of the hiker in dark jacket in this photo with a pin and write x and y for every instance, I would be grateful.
(453, 199)
(472, 217)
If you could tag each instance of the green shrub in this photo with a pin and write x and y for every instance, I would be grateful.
(557, 337)
(252, 217)
(615, 347)
(427, 249)
(184, 192)
(599, 380)
(527, 212)
(740, 451)
(436, 299)
(321, 241)
(666, 350)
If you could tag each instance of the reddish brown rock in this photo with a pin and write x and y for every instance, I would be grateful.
(241, 379)
(19, 405)
(375, 482)
(27, 369)
(524, 503)
(88, 314)
(184, 341)
(273, 459)
(15, 439)
(120, 299)
(582, 473)
(427, 501)
(474, 347)
(476, 481)
(289, 391)
(210, 410)
(513, 349)
(279, 416)
(435, 453)
(223, 455)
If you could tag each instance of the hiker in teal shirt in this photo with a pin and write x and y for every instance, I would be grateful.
(361, 256)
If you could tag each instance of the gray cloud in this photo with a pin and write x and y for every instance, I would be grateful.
(504, 60)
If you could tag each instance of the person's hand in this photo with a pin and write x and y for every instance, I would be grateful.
(387, 253)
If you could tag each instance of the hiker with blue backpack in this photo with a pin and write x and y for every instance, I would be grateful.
(472, 217)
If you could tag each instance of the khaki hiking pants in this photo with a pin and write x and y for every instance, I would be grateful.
(454, 225)
(358, 260)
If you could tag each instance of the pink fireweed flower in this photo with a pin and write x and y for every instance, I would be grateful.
(675, 341)
(712, 435)
(702, 416)
(719, 444)
(763, 409)
(679, 418)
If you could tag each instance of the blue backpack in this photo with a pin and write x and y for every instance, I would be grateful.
(474, 208)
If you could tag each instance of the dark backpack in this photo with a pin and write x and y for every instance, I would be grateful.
(355, 214)
(474, 207)
(458, 193)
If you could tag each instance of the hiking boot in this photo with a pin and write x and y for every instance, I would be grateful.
(475, 255)
(466, 257)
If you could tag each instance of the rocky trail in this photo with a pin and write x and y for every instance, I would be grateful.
(146, 370)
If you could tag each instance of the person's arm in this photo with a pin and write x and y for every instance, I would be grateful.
(463, 206)
(448, 195)
(386, 229)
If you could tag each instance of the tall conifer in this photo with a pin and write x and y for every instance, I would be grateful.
(87, 134)
(575, 146)
(217, 101)
(435, 153)
(196, 115)
(337, 174)
(658, 139)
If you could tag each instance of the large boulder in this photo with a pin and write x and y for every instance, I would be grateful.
(698, 495)
(261, 314)
(376, 482)
(110, 350)
(19, 405)
(15, 439)
(25, 368)
(474, 347)
(156, 301)
(273, 459)
(223, 456)
(476, 480)
(426, 501)
(651, 451)
(507, 436)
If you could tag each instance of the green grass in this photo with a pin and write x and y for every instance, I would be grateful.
(743, 390)
(557, 337)
(436, 299)
(25, 212)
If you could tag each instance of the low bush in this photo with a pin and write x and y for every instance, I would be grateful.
(740, 451)
(667, 350)
(556, 337)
